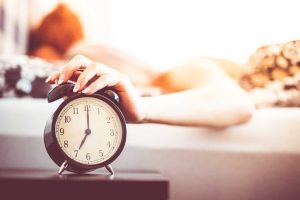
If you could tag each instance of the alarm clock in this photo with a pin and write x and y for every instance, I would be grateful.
(85, 132)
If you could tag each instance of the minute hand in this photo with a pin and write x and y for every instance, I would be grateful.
(88, 130)
(88, 117)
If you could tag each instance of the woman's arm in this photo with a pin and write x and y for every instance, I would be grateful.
(201, 94)
(219, 102)
(207, 106)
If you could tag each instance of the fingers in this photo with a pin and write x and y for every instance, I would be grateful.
(92, 71)
(69, 69)
(77, 62)
(90, 76)
(105, 80)
(51, 79)
(75, 76)
(100, 83)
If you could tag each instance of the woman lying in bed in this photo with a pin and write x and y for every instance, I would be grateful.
(197, 94)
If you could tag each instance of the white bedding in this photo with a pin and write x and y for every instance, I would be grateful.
(258, 160)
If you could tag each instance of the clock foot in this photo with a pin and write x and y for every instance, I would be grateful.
(63, 166)
(110, 169)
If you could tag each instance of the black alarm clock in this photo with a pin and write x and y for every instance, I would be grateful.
(85, 132)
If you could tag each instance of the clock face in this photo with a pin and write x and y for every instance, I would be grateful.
(88, 130)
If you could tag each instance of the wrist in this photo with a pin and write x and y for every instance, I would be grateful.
(147, 109)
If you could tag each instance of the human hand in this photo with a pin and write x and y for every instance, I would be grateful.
(92, 76)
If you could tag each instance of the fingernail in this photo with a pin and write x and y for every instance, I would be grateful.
(61, 79)
(86, 90)
(47, 80)
(76, 87)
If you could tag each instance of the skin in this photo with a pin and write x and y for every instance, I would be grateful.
(213, 100)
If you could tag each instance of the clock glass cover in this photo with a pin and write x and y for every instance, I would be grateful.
(88, 130)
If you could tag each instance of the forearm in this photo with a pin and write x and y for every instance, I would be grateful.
(207, 106)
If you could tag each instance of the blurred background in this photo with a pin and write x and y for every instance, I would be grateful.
(148, 39)
(162, 33)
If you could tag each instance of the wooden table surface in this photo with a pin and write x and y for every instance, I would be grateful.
(41, 184)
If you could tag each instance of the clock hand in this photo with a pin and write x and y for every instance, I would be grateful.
(88, 130)
(83, 140)
(88, 117)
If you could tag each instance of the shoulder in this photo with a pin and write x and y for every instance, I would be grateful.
(199, 72)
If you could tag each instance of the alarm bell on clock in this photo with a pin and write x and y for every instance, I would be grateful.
(85, 132)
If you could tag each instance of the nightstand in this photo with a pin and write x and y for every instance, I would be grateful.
(41, 184)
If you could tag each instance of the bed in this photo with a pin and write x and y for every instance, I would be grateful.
(257, 160)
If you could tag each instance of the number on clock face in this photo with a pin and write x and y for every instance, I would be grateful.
(87, 130)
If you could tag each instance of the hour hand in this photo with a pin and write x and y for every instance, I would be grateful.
(87, 132)
(82, 142)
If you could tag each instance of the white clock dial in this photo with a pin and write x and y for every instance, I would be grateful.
(88, 130)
